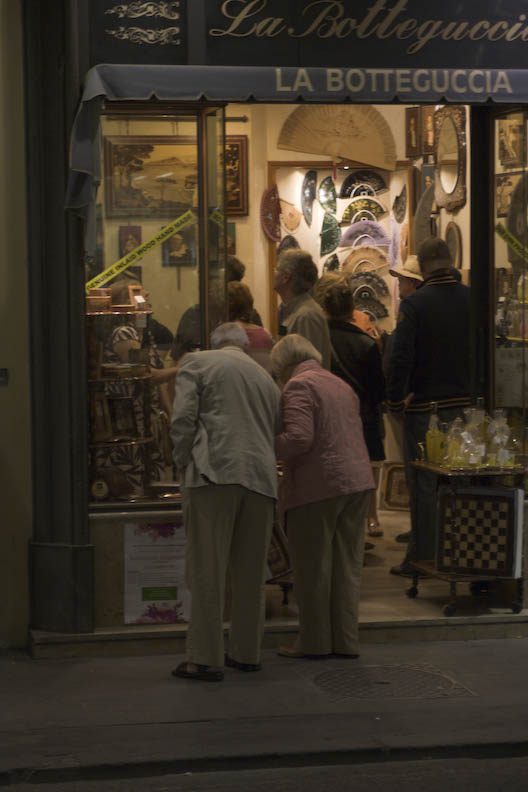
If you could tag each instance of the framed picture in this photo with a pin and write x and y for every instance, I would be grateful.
(427, 177)
(180, 249)
(150, 176)
(412, 132)
(511, 141)
(236, 174)
(123, 419)
(428, 129)
(100, 415)
(129, 239)
(394, 493)
(505, 184)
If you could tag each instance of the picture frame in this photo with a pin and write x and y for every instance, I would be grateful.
(412, 132)
(150, 176)
(427, 177)
(505, 184)
(428, 129)
(511, 141)
(453, 238)
(179, 250)
(102, 430)
(136, 292)
(394, 492)
(129, 239)
(122, 417)
(236, 175)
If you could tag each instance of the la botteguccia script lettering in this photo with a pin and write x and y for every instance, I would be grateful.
(326, 19)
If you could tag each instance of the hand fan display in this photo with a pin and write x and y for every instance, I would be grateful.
(364, 232)
(270, 213)
(394, 249)
(308, 191)
(373, 308)
(363, 208)
(327, 194)
(368, 284)
(330, 234)
(362, 182)
(290, 215)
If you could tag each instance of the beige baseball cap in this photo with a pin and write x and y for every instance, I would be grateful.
(409, 269)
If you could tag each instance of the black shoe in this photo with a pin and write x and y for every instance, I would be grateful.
(203, 673)
(369, 546)
(228, 661)
(401, 571)
(403, 538)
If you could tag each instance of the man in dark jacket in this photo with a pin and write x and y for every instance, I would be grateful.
(429, 366)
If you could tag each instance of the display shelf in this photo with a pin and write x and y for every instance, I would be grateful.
(469, 471)
(98, 380)
(132, 311)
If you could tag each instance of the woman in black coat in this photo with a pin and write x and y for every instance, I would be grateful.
(357, 360)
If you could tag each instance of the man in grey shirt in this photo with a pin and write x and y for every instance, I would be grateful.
(226, 415)
(295, 275)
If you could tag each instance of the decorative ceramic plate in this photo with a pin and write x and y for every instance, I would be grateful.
(287, 243)
(308, 191)
(368, 284)
(330, 234)
(364, 205)
(362, 177)
(290, 216)
(365, 259)
(270, 213)
(331, 264)
(327, 194)
(399, 207)
(364, 232)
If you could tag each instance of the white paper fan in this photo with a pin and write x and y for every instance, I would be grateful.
(357, 133)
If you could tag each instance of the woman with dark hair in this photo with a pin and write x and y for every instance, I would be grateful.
(356, 359)
(240, 306)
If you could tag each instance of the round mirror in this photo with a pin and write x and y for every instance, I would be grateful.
(447, 155)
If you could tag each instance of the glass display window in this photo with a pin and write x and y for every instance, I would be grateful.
(155, 288)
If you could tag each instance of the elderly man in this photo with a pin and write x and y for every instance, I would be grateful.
(295, 275)
(226, 415)
(428, 368)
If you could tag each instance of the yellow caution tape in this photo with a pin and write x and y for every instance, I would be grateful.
(183, 220)
(512, 241)
(217, 217)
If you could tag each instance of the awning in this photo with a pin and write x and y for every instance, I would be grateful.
(269, 84)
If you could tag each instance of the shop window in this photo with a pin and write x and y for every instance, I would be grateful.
(155, 287)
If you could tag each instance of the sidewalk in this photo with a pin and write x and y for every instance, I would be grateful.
(77, 718)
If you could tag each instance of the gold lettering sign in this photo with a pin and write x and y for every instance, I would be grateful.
(327, 19)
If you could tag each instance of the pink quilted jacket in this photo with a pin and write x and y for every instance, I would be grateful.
(322, 443)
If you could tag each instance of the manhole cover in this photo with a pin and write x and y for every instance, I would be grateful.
(389, 681)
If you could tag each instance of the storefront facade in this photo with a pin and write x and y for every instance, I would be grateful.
(189, 58)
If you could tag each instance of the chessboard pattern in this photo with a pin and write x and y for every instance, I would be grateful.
(476, 533)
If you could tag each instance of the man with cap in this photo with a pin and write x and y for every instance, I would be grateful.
(428, 367)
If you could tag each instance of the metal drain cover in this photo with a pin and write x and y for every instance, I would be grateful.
(389, 681)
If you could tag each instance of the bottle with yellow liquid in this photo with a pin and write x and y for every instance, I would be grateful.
(434, 439)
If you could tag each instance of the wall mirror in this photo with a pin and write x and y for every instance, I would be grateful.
(450, 157)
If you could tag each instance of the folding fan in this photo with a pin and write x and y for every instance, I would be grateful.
(363, 259)
(270, 213)
(372, 307)
(399, 207)
(394, 248)
(362, 182)
(331, 264)
(308, 195)
(364, 232)
(287, 243)
(358, 132)
(360, 206)
(368, 284)
(290, 215)
(327, 194)
(330, 234)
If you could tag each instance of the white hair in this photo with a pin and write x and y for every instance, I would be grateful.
(229, 334)
(289, 352)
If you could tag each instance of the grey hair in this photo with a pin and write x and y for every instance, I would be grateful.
(299, 265)
(289, 352)
(229, 334)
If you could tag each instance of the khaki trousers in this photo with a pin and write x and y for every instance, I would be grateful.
(326, 542)
(227, 527)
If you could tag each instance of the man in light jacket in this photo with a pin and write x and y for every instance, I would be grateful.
(226, 415)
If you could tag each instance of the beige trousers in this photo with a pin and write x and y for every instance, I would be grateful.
(227, 527)
(326, 542)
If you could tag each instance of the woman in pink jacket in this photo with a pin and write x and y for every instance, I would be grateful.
(327, 483)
